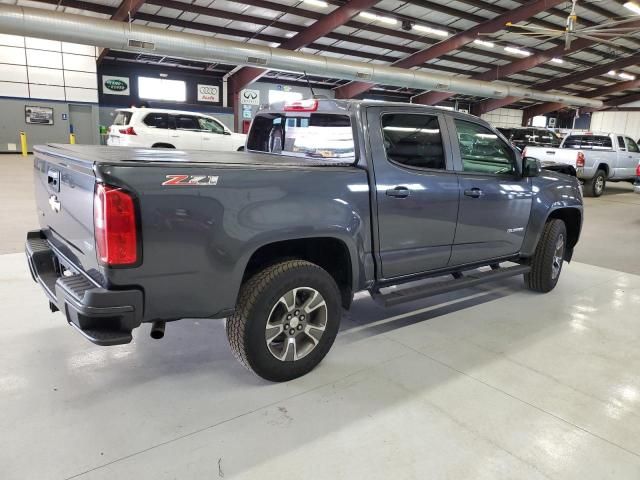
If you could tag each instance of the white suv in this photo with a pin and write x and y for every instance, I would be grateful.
(155, 128)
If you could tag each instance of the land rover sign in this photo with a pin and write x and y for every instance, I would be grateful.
(115, 85)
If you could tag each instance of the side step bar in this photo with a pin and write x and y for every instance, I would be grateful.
(464, 281)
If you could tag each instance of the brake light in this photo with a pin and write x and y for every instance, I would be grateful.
(580, 159)
(638, 170)
(114, 219)
(301, 106)
(127, 131)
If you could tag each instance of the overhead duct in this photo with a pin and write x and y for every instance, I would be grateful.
(33, 22)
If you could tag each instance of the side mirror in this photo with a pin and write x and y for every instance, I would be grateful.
(226, 132)
(531, 167)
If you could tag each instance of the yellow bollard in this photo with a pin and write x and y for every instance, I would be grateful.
(23, 143)
(72, 138)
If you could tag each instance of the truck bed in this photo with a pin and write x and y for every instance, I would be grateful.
(128, 155)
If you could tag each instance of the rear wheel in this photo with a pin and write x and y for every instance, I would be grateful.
(595, 186)
(547, 261)
(286, 320)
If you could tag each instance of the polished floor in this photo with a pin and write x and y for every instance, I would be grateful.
(492, 383)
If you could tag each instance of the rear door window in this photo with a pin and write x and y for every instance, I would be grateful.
(122, 118)
(186, 122)
(413, 140)
(157, 120)
(621, 144)
(589, 142)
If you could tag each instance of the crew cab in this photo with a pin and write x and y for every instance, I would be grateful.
(597, 158)
(160, 128)
(331, 197)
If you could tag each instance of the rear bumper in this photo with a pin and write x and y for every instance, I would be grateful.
(105, 317)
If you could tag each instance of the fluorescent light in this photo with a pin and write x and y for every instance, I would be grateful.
(378, 18)
(517, 51)
(432, 31)
(634, 7)
(484, 44)
(557, 60)
(612, 73)
(317, 3)
(626, 76)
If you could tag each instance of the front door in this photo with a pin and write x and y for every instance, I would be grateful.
(632, 158)
(416, 191)
(495, 200)
(187, 134)
(84, 128)
(213, 135)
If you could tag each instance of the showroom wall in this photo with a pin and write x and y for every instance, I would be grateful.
(504, 117)
(617, 122)
(52, 76)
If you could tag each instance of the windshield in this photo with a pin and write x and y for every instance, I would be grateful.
(315, 135)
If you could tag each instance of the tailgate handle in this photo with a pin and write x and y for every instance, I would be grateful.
(53, 180)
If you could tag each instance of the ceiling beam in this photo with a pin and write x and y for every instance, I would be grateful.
(319, 29)
(493, 104)
(543, 108)
(126, 11)
(455, 42)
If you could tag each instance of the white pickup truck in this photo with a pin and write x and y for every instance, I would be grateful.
(597, 157)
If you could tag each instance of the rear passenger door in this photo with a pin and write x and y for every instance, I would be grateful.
(495, 199)
(156, 127)
(416, 192)
(186, 134)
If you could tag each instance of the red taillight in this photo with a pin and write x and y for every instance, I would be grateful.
(638, 170)
(127, 131)
(301, 106)
(115, 229)
(580, 160)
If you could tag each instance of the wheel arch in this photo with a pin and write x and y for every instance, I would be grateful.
(570, 215)
(331, 253)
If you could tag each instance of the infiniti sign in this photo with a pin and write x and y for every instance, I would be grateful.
(208, 93)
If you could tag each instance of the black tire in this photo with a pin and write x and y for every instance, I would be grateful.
(595, 186)
(545, 272)
(258, 299)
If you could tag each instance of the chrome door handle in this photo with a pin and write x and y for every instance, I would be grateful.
(398, 192)
(474, 192)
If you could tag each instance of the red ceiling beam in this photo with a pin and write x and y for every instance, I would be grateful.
(496, 73)
(495, 103)
(455, 42)
(322, 27)
(543, 108)
(126, 10)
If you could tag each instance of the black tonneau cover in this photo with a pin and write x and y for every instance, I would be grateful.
(129, 155)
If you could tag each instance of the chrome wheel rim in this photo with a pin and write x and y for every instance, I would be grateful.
(296, 324)
(599, 184)
(558, 256)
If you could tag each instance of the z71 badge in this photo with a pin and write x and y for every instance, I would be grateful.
(191, 180)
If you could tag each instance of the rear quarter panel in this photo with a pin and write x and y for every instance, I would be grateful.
(197, 240)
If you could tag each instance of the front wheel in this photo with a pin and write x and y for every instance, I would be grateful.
(286, 320)
(595, 186)
(546, 263)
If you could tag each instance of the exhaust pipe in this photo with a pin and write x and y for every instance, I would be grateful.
(157, 329)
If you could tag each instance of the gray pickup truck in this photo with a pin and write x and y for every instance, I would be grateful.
(330, 198)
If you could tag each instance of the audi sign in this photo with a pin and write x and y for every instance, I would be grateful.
(208, 93)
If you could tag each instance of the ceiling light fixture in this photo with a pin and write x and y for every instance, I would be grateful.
(317, 3)
(432, 31)
(378, 18)
(557, 60)
(627, 76)
(612, 72)
(517, 51)
(484, 43)
(634, 7)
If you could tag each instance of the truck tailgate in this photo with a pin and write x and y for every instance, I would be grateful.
(64, 189)
(548, 154)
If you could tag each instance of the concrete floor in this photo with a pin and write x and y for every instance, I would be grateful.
(494, 382)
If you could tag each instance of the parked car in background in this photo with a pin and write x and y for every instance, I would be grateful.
(597, 158)
(331, 197)
(157, 128)
(528, 136)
